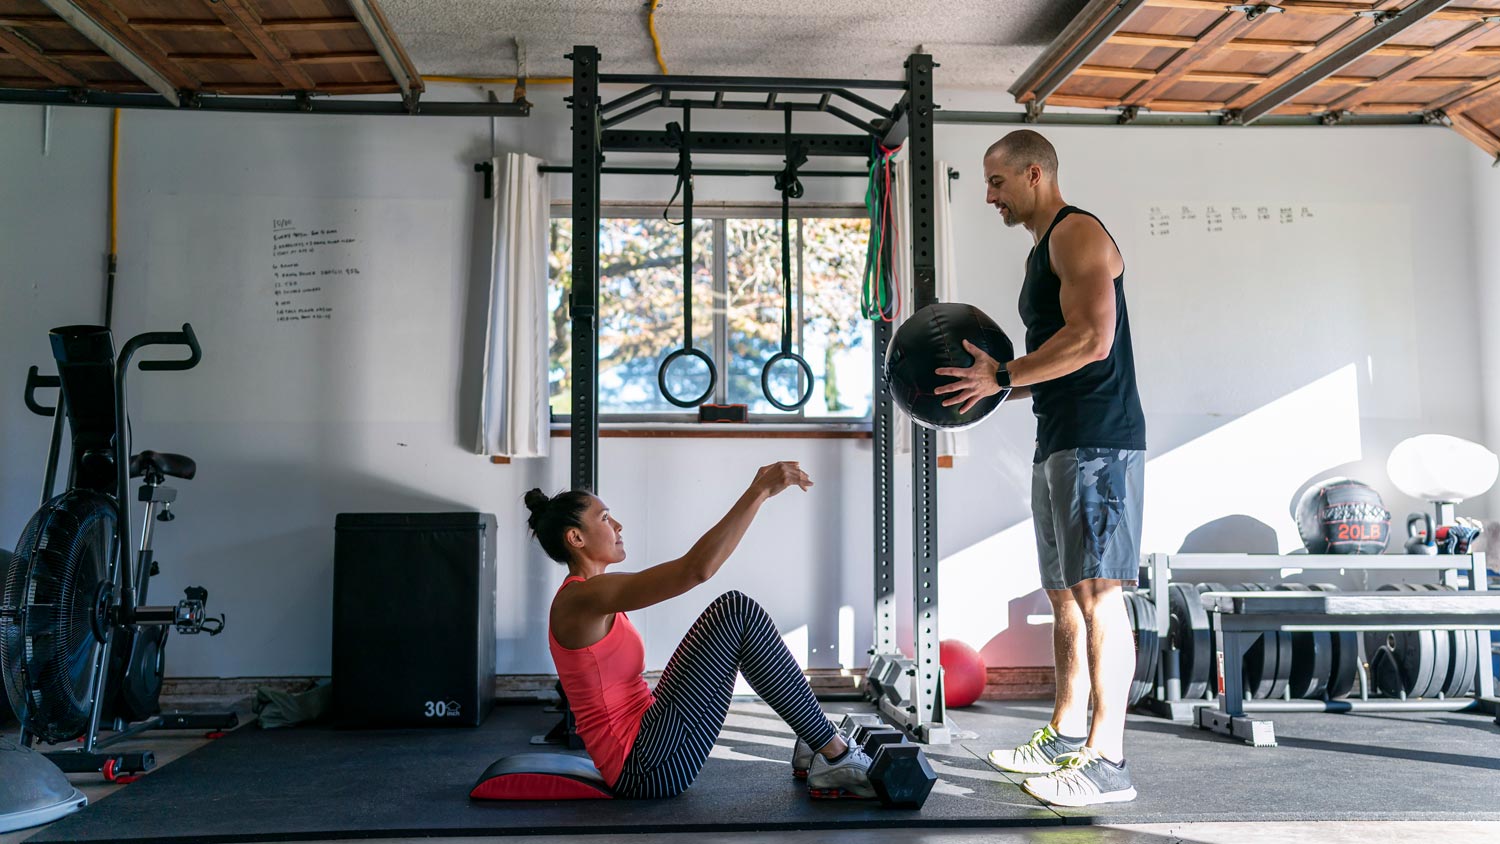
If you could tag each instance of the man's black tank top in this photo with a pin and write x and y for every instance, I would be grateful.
(1096, 406)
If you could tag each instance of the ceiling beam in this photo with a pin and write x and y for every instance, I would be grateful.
(214, 58)
(1349, 29)
(268, 24)
(311, 24)
(1224, 30)
(1090, 30)
(1319, 7)
(1281, 45)
(21, 49)
(356, 57)
(1477, 133)
(302, 104)
(1334, 8)
(108, 30)
(1410, 71)
(177, 24)
(34, 21)
(88, 56)
(1271, 45)
(1383, 30)
(1107, 72)
(397, 63)
(1474, 95)
(1151, 39)
(270, 53)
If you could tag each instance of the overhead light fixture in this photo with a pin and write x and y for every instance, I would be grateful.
(1442, 469)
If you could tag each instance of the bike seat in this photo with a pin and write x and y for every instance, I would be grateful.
(176, 465)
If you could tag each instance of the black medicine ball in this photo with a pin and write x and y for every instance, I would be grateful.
(932, 338)
(1340, 516)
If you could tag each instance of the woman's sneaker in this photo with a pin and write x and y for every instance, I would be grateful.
(1083, 779)
(1036, 756)
(848, 777)
(802, 755)
(801, 759)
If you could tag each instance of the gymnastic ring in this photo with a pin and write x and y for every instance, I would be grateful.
(661, 377)
(765, 380)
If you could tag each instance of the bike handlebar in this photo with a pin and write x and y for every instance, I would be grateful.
(185, 337)
(35, 380)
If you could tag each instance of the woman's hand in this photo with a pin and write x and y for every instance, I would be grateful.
(778, 476)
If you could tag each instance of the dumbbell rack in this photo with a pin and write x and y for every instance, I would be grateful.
(1166, 699)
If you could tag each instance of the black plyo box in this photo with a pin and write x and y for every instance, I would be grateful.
(413, 619)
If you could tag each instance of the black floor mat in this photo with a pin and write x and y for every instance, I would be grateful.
(315, 783)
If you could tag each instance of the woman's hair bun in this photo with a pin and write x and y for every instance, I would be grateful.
(537, 501)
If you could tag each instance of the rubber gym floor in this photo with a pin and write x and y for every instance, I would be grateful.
(1332, 778)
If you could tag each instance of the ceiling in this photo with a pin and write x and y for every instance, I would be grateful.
(980, 43)
(1336, 60)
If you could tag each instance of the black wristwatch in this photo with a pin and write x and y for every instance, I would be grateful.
(1002, 377)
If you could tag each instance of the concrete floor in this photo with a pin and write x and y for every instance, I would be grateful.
(169, 746)
(1268, 833)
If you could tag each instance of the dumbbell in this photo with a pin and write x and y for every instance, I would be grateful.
(899, 770)
(902, 776)
(854, 723)
(873, 740)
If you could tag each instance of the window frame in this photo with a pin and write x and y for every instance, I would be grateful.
(718, 212)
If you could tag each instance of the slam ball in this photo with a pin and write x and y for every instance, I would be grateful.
(932, 338)
(963, 673)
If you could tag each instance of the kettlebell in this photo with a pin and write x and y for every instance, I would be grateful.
(1420, 542)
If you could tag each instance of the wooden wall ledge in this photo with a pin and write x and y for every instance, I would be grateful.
(727, 431)
(1002, 683)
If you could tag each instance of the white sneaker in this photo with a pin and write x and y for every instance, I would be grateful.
(802, 755)
(1082, 779)
(1036, 756)
(848, 777)
(801, 758)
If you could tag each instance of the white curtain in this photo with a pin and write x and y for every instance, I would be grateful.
(949, 443)
(514, 416)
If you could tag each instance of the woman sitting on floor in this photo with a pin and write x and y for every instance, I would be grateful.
(653, 745)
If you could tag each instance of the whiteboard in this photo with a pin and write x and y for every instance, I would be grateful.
(308, 309)
(1236, 303)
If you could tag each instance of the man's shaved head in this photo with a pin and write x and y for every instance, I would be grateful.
(1022, 148)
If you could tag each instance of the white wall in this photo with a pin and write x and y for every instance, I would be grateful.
(1265, 361)
(1485, 222)
(256, 525)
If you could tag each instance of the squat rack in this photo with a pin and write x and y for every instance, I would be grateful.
(910, 691)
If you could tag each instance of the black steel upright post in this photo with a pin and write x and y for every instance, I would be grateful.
(883, 430)
(927, 688)
(583, 305)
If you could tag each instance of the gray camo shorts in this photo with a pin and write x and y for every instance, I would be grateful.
(1086, 503)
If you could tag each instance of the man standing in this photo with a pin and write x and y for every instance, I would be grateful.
(1088, 471)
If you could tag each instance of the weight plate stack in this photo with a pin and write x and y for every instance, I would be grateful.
(1344, 658)
(1416, 657)
(1268, 662)
(1463, 653)
(1192, 640)
(1142, 615)
(1312, 656)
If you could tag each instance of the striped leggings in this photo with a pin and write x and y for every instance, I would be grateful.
(734, 635)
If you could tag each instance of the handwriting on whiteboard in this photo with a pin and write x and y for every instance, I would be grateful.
(1164, 221)
(307, 263)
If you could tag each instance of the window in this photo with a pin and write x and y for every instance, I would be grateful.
(738, 305)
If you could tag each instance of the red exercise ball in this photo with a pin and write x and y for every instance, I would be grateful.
(963, 673)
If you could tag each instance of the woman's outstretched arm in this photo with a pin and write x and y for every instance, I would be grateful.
(623, 592)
